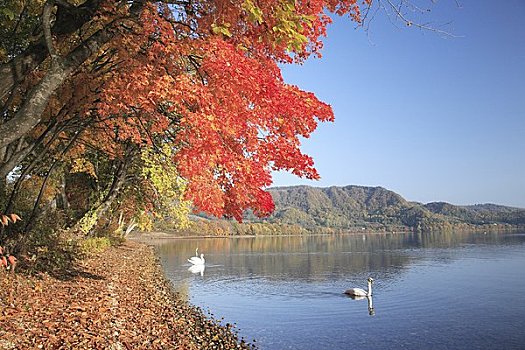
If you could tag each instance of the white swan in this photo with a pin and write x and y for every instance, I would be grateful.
(195, 260)
(358, 292)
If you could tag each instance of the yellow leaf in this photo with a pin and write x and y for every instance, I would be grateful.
(255, 13)
(221, 29)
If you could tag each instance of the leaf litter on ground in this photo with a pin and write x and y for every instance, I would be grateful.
(118, 299)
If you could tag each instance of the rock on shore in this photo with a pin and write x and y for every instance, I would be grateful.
(116, 300)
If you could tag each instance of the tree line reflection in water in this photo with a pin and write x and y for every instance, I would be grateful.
(315, 257)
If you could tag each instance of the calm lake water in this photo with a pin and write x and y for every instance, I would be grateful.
(440, 291)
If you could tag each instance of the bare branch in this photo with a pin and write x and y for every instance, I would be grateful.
(394, 9)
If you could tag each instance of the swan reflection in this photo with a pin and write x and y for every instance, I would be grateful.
(371, 310)
(197, 269)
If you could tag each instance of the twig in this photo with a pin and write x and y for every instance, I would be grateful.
(399, 14)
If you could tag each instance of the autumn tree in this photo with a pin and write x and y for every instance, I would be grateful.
(108, 88)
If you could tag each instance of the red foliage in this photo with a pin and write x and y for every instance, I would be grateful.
(222, 96)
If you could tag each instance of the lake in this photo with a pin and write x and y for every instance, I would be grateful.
(431, 291)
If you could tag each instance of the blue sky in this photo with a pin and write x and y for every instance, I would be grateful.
(432, 118)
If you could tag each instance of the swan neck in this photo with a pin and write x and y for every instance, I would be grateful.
(369, 288)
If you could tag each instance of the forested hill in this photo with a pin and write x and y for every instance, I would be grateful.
(376, 208)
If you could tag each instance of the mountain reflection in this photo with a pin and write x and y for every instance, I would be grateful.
(313, 258)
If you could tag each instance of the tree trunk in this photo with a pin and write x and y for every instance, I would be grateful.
(116, 186)
(30, 113)
(102, 207)
(68, 20)
(3, 191)
(16, 70)
(61, 198)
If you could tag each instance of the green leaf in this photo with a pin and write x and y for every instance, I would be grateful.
(8, 13)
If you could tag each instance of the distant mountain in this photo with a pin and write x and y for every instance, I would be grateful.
(376, 208)
(305, 209)
(480, 214)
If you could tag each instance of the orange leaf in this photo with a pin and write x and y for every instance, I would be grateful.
(15, 218)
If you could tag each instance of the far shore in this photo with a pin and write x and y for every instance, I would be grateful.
(141, 236)
(153, 235)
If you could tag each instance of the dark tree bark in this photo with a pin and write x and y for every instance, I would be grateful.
(30, 112)
(69, 19)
